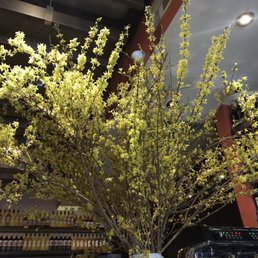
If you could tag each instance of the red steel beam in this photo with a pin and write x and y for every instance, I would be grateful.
(246, 204)
(141, 38)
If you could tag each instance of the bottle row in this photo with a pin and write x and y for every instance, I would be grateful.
(42, 218)
(52, 242)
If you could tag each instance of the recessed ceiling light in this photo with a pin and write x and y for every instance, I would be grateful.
(138, 55)
(245, 19)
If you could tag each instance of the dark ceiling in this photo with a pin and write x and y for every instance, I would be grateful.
(37, 17)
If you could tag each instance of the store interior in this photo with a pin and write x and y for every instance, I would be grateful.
(60, 229)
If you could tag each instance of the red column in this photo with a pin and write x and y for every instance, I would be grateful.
(246, 202)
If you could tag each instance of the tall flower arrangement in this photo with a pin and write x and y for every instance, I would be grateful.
(137, 163)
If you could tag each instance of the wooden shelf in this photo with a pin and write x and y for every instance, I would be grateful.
(37, 254)
(48, 229)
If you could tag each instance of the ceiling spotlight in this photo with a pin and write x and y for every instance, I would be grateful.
(245, 19)
(138, 55)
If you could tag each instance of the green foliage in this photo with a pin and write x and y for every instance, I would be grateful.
(139, 165)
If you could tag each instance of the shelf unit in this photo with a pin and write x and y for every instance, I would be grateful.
(45, 241)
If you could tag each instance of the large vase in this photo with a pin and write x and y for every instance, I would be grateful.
(148, 255)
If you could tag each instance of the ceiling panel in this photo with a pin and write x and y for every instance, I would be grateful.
(210, 17)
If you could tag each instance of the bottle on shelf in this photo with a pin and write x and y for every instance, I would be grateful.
(59, 243)
(51, 243)
(97, 238)
(89, 241)
(63, 242)
(38, 241)
(16, 218)
(101, 240)
(12, 217)
(53, 219)
(46, 245)
(85, 240)
(79, 220)
(5, 243)
(21, 219)
(34, 242)
(9, 243)
(8, 218)
(66, 219)
(81, 242)
(1, 243)
(59, 219)
(42, 242)
(72, 242)
(72, 219)
(56, 243)
(69, 242)
(15, 244)
(77, 242)
(25, 242)
(29, 242)
(20, 243)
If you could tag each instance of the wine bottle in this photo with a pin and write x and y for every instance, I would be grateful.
(73, 246)
(51, 243)
(55, 219)
(16, 218)
(25, 243)
(12, 219)
(89, 241)
(34, 242)
(20, 243)
(63, 242)
(42, 242)
(1, 243)
(97, 240)
(81, 242)
(59, 219)
(86, 241)
(9, 243)
(65, 219)
(52, 222)
(8, 218)
(71, 219)
(47, 240)
(29, 242)
(57, 243)
(69, 243)
(38, 241)
(5, 243)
